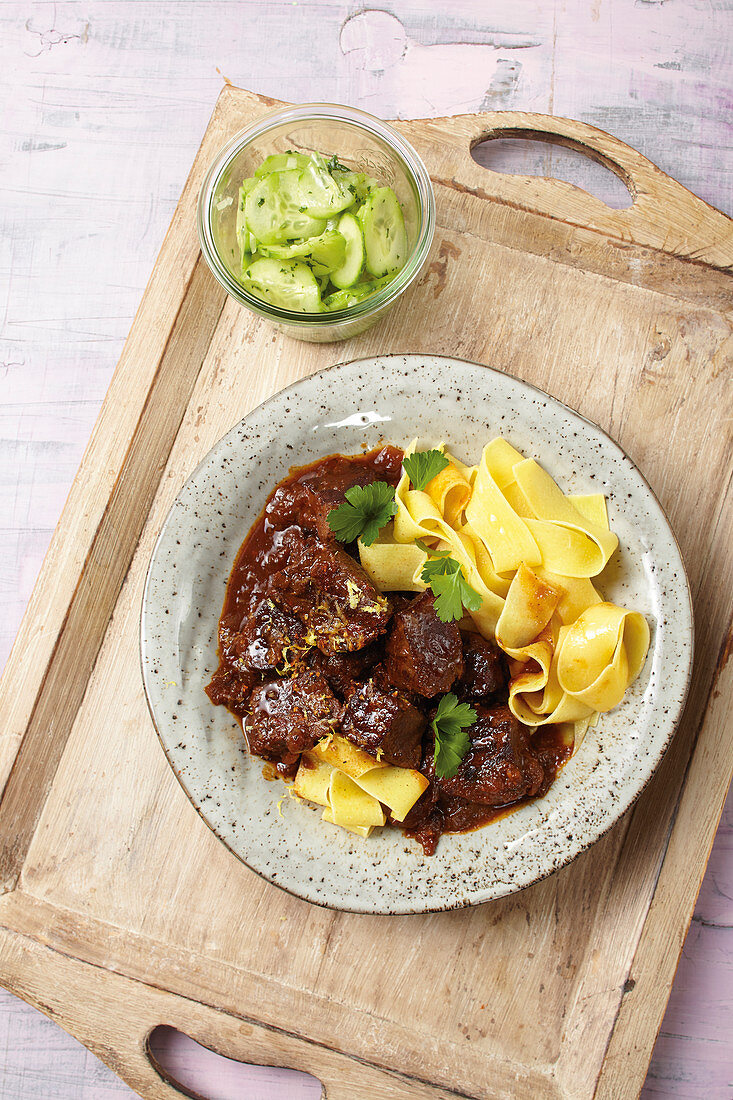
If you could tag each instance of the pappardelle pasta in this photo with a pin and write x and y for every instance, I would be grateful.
(531, 554)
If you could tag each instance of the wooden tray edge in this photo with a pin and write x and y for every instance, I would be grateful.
(681, 872)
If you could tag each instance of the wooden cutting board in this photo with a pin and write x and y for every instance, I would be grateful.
(120, 910)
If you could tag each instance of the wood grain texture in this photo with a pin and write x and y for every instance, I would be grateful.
(108, 102)
(333, 981)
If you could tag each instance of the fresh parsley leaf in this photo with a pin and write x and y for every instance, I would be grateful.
(451, 589)
(442, 566)
(422, 466)
(364, 512)
(452, 742)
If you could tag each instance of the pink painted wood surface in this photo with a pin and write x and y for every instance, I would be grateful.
(104, 106)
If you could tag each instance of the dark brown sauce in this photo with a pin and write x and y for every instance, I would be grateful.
(251, 570)
(299, 503)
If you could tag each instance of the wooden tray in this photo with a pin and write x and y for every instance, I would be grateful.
(120, 910)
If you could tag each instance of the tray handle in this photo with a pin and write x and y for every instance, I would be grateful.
(127, 1050)
(663, 214)
(210, 1062)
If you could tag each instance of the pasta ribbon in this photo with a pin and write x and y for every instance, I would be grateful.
(601, 653)
(501, 458)
(593, 508)
(530, 681)
(450, 492)
(527, 610)
(339, 753)
(353, 787)
(418, 517)
(576, 594)
(587, 546)
(398, 788)
(360, 830)
(350, 805)
(313, 780)
(505, 535)
(393, 566)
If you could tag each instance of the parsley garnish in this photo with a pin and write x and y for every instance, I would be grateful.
(452, 742)
(451, 589)
(364, 512)
(429, 550)
(422, 466)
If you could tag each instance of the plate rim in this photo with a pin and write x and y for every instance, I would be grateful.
(489, 895)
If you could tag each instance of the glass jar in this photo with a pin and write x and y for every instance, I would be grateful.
(363, 143)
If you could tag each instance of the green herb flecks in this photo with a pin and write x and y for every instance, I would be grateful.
(334, 165)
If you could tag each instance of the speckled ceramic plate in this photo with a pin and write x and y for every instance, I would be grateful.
(343, 409)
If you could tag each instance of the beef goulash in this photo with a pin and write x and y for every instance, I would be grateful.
(379, 664)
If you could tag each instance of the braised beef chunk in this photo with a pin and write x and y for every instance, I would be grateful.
(231, 688)
(424, 822)
(381, 721)
(286, 717)
(329, 592)
(500, 766)
(424, 655)
(484, 668)
(308, 500)
(267, 638)
(342, 669)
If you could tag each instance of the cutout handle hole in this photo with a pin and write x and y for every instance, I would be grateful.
(551, 158)
(203, 1074)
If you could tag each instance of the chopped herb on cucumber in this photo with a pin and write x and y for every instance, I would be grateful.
(316, 236)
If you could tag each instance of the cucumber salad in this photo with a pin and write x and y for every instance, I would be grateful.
(314, 236)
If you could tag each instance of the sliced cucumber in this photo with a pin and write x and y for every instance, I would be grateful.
(275, 213)
(360, 185)
(323, 254)
(385, 236)
(288, 284)
(282, 162)
(241, 226)
(343, 299)
(314, 235)
(321, 194)
(353, 265)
